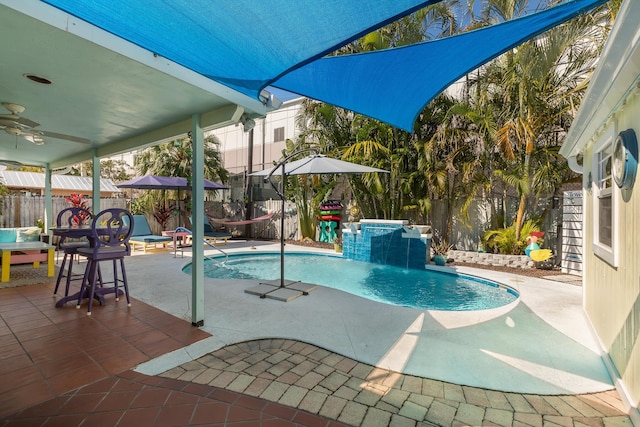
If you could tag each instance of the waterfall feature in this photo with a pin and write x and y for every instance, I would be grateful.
(391, 242)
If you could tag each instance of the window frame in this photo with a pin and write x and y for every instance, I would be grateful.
(277, 130)
(604, 187)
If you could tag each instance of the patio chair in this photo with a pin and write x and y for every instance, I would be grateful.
(70, 217)
(110, 233)
(212, 235)
(142, 236)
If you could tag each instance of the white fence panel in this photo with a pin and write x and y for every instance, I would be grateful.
(572, 233)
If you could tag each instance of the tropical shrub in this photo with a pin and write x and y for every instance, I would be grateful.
(503, 241)
(138, 207)
(441, 248)
(77, 201)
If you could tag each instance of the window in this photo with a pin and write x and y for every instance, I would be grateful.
(278, 134)
(604, 199)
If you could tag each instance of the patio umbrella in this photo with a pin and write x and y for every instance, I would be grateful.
(315, 164)
(155, 182)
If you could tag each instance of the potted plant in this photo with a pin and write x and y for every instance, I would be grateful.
(337, 244)
(440, 251)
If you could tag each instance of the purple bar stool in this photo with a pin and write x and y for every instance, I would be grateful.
(70, 217)
(110, 233)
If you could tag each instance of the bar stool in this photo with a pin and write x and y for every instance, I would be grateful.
(70, 217)
(110, 233)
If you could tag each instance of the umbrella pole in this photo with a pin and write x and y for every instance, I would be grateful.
(282, 164)
(282, 231)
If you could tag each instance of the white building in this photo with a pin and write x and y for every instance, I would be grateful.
(269, 136)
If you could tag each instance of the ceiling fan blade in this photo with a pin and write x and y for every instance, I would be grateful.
(26, 122)
(35, 138)
(63, 136)
(9, 122)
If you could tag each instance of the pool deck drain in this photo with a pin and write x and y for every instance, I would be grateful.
(272, 290)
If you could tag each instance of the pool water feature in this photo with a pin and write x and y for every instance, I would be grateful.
(421, 289)
(391, 242)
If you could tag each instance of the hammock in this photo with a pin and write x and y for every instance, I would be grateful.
(245, 222)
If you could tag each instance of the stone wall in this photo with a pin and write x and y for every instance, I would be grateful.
(483, 258)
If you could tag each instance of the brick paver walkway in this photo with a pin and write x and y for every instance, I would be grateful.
(315, 380)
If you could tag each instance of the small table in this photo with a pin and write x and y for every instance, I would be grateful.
(177, 235)
(32, 253)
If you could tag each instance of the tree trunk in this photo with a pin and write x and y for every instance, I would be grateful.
(523, 196)
(520, 216)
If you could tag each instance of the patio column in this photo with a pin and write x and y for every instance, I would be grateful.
(48, 202)
(197, 213)
(95, 203)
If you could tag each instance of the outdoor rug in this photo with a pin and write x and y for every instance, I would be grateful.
(22, 275)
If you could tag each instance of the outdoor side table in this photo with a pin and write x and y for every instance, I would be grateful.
(23, 252)
(177, 235)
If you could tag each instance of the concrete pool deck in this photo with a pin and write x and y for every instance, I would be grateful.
(542, 344)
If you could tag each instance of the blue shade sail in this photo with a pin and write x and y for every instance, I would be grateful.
(243, 44)
(395, 85)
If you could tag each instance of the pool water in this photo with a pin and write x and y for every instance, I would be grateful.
(422, 289)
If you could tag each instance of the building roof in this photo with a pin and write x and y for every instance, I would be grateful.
(17, 179)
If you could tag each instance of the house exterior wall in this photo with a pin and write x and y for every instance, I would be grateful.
(234, 142)
(612, 292)
(611, 274)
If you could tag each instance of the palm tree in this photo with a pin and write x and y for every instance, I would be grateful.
(535, 88)
(175, 159)
(453, 162)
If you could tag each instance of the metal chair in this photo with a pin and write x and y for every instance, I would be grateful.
(110, 233)
(71, 217)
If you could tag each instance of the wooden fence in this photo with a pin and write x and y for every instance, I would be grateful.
(24, 211)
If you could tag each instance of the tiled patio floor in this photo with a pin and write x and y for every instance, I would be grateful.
(60, 367)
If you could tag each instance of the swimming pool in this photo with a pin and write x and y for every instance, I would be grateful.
(422, 289)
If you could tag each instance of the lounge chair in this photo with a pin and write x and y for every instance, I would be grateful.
(142, 236)
(211, 235)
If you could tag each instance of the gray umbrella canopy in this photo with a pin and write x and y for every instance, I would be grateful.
(319, 164)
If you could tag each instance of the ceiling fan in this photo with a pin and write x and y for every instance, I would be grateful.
(15, 124)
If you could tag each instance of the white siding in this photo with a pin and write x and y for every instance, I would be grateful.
(612, 295)
(572, 232)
